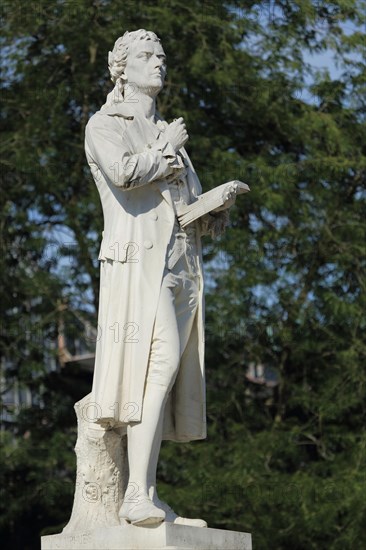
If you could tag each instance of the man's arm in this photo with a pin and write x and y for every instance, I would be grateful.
(115, 161)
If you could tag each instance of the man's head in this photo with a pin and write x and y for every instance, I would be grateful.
(139, 60)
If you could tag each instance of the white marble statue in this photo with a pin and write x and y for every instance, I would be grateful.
(149, 370)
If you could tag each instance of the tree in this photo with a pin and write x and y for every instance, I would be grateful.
(285, 282)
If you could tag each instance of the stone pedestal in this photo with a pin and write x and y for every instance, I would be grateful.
(165, 536)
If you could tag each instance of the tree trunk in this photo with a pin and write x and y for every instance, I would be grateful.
(102, 473)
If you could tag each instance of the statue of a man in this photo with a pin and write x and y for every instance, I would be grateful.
(149, 371)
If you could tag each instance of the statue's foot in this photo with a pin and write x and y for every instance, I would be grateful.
(141, 511)
(172, 517)
(190, 522)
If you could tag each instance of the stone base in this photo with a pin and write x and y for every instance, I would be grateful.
(162, 537)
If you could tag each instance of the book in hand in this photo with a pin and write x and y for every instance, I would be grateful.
(217, 199)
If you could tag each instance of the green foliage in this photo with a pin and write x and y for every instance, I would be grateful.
(285, 284)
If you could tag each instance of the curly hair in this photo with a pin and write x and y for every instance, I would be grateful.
(117, 58)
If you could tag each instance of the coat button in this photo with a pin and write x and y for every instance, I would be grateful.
(148, 244)
(153, 215)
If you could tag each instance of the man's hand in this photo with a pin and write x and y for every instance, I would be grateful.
(228, 198)
(176, 134)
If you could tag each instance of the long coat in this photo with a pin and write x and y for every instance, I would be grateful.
(131, 170)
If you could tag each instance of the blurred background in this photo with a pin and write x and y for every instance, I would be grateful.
(273, 94)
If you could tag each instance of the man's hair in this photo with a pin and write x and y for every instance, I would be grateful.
(117, 58)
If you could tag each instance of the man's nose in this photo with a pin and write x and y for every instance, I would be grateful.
(158, 61)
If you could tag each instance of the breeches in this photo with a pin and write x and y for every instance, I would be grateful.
(175, 315)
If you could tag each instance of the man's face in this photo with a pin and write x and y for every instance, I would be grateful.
(145, 66)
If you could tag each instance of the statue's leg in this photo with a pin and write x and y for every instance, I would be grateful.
(173, 324)
(184, 297)
(137, 506)
(153, 464)
(144, 438)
